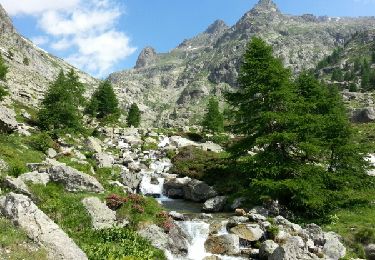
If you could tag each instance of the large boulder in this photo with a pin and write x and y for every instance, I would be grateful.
(16, 185)
(8, 122)
(174, 187)
(215, 204)
(93, 144)
(198, 191)
(364, 115)
(131, 179)
(39, 227)
(73, 180)
(176, 243)
(104, 160)
(266, 249)
(333, 248)
(370, 252)
(180, 142)
(228, 244)
(250, 232)
(102, 216)
(35, 177)
(293, 248)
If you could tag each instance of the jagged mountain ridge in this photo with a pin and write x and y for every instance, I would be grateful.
(31, 69)
(172, 88)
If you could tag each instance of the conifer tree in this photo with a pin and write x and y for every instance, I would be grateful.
(213, 120)
(3, 69)
(60, 106)
(3, 72)
(104, 103)
(134, 116)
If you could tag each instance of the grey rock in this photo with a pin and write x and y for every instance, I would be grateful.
(8, 122)
(228, 244)
(196, 190)
(104, 160)
(236, 220)
(93, 144)
(39, 227)
(102, 216)
(215, 204)
(250, 232)
(315, 233)
(266, 249)
(177, 216)
(51, 153)
(131, 179)
(146, 57)
(35, 177)
(333, 248)
(74, 180)
(237, 203)
(17, 185)
(364, 115)
(370, 251)
(159, 239)
(174, 187)
(292, 249)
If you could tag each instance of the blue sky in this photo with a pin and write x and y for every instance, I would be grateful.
(102, 36)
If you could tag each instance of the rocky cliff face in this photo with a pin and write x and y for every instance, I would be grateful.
(172, 88)
(30, 68)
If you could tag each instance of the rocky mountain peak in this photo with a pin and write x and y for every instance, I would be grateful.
(217, 27)
(146, 56)
(267, 6)
(6, 25)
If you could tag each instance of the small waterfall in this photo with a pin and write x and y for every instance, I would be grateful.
(197, 232)
(152, 186)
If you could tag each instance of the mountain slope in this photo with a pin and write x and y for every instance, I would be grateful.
(30, 68)
(173, 88)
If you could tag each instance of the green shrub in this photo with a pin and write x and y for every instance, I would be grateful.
(26, 61)
(3, 93)
(41, 142)
(128, 244)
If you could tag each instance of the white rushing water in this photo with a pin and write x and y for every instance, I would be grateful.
(147, 186)
(197, 232)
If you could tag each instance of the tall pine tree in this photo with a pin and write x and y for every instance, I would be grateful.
(60, 106)
(134, 116)
(104, 103)
(213, 120)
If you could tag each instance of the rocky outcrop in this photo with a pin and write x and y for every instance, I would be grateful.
(8, 122)
(333, 248)
(250, 232)
(39, 227)
(199, 191)
(74, 180)
(227, 244)
(176, 244)
(215, 204)
(266, 249)
(365, 115)
(16, 185)
(102, 217)
(146, 57)
(104, 160)
(93, 144)
(35, 177)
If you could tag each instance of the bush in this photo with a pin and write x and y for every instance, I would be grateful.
(128, 244)
(41, 142)
(3, 93)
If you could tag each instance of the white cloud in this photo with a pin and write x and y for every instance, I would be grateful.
(85, 29)
(34, 7)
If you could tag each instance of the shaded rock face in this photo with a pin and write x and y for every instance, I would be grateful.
(365, 115)
(217, 27)
(370, 251)
(216, 204)
(8, 122)
(198, 191)
(74, 180)
(39, 227)
(145, 58)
